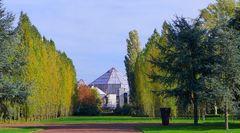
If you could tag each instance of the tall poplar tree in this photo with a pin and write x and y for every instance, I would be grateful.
(50, 72)
(215, 13)
(133, 49)
(149, 101)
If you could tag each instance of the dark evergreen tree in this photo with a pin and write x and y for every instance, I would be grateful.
(184, 62)
(235, 20)
(12, 89)
(223, 84)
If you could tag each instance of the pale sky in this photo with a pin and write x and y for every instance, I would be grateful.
(93, 32)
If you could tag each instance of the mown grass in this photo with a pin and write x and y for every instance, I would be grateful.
(190, 128)
(178, 125)
(18, 130)
(210, 125)
(100, 119)
(121, 119)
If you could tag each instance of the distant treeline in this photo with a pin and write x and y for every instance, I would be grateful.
(36, 80)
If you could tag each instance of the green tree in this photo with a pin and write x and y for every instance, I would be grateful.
(50, 72)
(224, 83)
(150, 102)
(184, 62)
(133, 49)
(235, 20)
(220, 11)
(12, 89)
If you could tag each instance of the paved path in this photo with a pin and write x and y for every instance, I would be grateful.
(88, 128)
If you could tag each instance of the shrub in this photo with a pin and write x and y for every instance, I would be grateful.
(126, 110)
(89, 101)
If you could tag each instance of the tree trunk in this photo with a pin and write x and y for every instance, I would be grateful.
(203, 112)
(195, 112)
(215, 109)
(226, 117)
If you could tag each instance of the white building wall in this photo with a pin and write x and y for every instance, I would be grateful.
(112, 100)
(121, 96)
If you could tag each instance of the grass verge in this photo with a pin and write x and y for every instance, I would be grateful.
(206, 127)
(19, 130)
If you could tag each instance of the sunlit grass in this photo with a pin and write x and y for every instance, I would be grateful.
(19, 130)
(190, 128)
(101, 119)
(177, 125)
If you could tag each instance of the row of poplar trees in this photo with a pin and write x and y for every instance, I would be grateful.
(36, 80)
(191, 66)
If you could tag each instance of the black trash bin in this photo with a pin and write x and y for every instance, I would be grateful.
(165, 113)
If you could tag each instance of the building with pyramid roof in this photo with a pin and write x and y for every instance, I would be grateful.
(115, 86)
(99, 91)
(81, 82)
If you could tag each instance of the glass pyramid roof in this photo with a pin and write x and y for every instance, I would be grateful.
(112, 76)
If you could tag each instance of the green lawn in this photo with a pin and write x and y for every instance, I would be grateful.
(101, 119)
(189, 128)
(119, 119)
(18, 130)
(211, 125)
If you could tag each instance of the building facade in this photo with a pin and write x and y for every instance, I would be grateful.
(115, 86)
